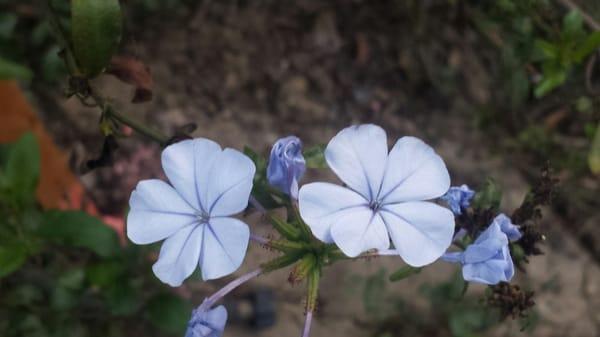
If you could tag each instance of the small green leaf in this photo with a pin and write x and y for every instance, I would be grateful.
(589, 45)
(315, 157)
(12, 257)
(105, 273)
(122, 299)
(72, 279)
(23, 167)
(169, 313)
(96, 31)
(79, 229)
(488, 196)
(10, 70)
(572, 25)
(550, 81)
(594, 155)
(547, 49)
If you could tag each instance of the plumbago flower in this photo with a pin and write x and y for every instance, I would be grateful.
(488, 259)
(193, 213)
(384, 197)
(511, 230)
(458, 198)
(207, 322)
(286, 165)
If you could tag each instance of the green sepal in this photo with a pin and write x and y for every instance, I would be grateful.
(313, 289)
(306, 265)
(281, 261)
(286, 230)
(287, 246)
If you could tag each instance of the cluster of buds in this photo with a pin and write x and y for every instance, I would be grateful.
(510, 300)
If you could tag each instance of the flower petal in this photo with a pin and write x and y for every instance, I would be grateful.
(358, 230)
(225, 243)
(179, 255)
(357, 155)
(228, 183)
(185, 163)
(156, 212)
(489, 272)
(217, 318)
(321, 204)
(414, 172)
(421, 231)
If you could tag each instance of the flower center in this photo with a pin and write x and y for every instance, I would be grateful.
(202, 217)
(375, 205)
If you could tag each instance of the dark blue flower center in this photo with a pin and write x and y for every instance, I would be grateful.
(375, 205)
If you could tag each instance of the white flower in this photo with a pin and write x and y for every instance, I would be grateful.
(208, 185)
(384, 197)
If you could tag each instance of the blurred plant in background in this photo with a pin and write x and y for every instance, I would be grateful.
(64, 273)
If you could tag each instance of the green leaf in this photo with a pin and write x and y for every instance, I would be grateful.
(488, 196)
(8, 22)
(12, 257)
(72, 279)
(594, 155)
(572, 25)
(96, 31)
(79, 229)
(10, 70)
(547, 49)
(122, 299)
(22, 168)
(550, 81)
(315, 157)
(589, 45)
(169, 313)
(105, 273)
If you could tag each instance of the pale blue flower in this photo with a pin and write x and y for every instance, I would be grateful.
(458, 198)
(286, 165)
(384, 197)
(207, 322)
(487, 260)
(512, 231)
(208, 185)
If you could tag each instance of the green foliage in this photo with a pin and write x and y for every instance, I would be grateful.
(594, 155)
(10, 70)
(169, 313)
(95, 32)
(315, 157)
(566, 51)
(21, 171)
(63, 273)
(78, 229)
(488, 196)
(12, 257)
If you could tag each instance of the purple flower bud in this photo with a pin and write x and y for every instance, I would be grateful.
(458, 198)
(512, 231)
(487, 260)
(286, 165)
(207, 322)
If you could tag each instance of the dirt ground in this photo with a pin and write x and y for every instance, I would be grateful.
(249, 74)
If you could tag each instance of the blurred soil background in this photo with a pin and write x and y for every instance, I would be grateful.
(449, 72)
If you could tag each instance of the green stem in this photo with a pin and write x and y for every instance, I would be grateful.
(313, 289)
(136, 125)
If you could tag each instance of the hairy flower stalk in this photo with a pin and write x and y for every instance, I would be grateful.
(209, 302)
(311, 299)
